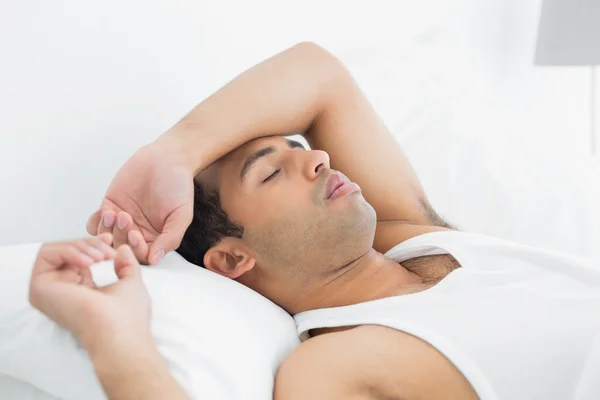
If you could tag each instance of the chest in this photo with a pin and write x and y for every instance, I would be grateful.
(431, 268)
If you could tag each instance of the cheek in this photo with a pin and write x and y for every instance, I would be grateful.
(292, 195)
(285, 201)
(272, 205)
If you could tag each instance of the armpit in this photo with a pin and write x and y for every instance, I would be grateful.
(433, 217)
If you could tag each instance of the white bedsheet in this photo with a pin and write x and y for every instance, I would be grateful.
(14, 389)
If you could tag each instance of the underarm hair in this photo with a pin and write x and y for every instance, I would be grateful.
(433, 216)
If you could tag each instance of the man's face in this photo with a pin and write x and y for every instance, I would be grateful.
(278, 191)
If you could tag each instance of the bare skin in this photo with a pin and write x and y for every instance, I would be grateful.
(356, 143)
(299, 249)
(326, 279)
(369, 362)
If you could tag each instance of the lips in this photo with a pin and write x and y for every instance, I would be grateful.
(336, 180)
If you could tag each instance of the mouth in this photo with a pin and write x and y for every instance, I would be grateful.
(337, 185)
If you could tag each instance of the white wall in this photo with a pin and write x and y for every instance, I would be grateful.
(596, 117)
(83, 84)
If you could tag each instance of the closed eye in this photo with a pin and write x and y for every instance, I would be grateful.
(273, 175)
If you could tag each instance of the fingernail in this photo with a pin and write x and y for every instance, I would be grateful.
(109, 220)
(159, 255)
(121, 222)
(132, 240)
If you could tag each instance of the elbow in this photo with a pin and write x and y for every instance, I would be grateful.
(319, 55)
(323, 64)
(309, 47)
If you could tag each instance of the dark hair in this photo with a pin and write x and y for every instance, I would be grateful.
(209, 225)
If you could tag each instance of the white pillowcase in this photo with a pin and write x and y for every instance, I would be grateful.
(220, 339)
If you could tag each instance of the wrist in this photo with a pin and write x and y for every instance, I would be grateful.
(179, 143)
(99, 342)
(200, 141)
(129, 369)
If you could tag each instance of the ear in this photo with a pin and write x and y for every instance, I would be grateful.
(230, 258)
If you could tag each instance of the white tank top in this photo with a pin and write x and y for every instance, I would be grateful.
(518, 322)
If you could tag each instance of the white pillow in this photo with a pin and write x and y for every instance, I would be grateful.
(221, 340)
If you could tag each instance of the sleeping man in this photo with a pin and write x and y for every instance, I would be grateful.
(391, 301)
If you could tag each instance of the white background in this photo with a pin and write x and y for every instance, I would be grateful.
(84, 84)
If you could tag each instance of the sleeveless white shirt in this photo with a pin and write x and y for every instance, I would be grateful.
(517, 321)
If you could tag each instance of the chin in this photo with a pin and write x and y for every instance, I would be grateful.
(358, 226)
(364, 212)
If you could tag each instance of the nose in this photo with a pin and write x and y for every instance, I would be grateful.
(313, 162)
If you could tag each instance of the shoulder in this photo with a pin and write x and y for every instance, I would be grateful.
(320, 368)
(346, 364)
(369, 362)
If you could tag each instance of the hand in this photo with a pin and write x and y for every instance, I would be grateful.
(149, 203)
(62, 288)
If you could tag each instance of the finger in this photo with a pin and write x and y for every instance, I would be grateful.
(172, 234)
(93, 222)
(80, 276)
(126, 231)
(139, 246)
(70, 275)
(103, 243)
(126, 265)
(55, 256)
(86, 278)
(106, 238)
(94, 247)
(107, 221)
(122, 225)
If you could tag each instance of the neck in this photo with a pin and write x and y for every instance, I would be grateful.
(370, 277)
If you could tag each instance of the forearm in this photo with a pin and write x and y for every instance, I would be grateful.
(134, 371)
(282, 95)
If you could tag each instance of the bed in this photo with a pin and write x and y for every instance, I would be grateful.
(83, 93)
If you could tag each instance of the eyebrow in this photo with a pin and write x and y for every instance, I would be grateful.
(257, 155)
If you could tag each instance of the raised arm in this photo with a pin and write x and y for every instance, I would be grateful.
(306, 90)
(282, 95)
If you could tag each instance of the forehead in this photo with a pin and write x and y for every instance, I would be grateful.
(240, 154)
(231, 164)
